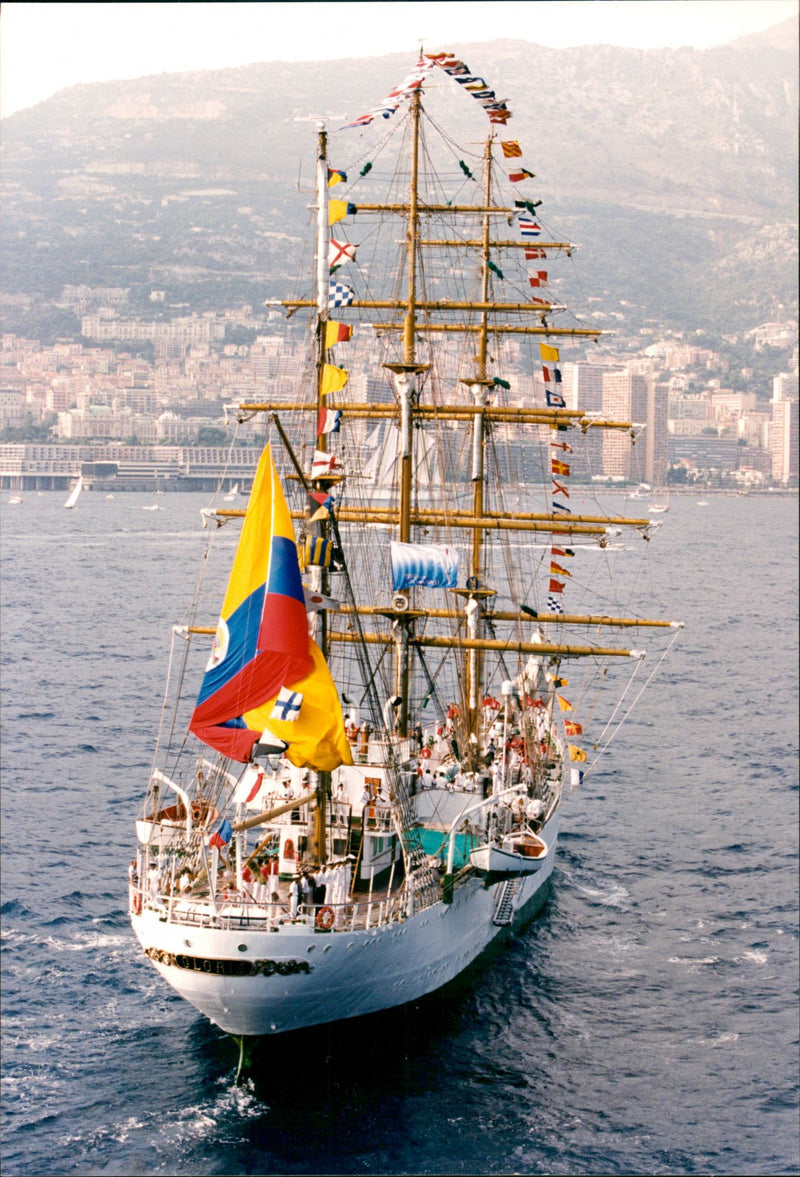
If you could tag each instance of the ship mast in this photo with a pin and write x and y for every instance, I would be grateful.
(478, 411)
(318, 575)
(405, 378)
(478, 385)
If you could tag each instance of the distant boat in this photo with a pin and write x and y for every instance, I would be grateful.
(12, 502)
(74, 494)
(702, 503)
(232, 493)
(661, 505)
(153, 507)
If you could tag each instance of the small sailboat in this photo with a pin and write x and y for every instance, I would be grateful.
(233, 493)
(15, 500)
(74, 494)
(661, 504)
(362, 790)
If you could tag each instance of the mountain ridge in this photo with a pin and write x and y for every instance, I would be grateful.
(685, 151)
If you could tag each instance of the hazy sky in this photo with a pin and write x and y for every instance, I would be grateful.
(45, 47)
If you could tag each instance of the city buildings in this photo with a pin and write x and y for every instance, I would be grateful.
(84, 398)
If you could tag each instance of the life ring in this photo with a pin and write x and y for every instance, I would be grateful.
(137, 904)
(425, 753)
(197, 813)
(325, 918)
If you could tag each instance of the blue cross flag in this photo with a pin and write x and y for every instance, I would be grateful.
(287, 705)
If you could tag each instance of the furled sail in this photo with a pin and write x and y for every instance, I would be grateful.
(262, 643)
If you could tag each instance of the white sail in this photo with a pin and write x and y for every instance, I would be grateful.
(74, 494)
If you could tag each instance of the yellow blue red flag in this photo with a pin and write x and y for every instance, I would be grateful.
(262, 639)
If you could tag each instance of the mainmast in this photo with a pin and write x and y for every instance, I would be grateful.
(405, 377)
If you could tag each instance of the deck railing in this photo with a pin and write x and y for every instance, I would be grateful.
(237, 911)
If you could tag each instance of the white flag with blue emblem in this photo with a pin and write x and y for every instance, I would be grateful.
(287, 705)
(433, 565)
(340, 295)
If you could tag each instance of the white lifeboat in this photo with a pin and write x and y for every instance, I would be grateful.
(517, 854)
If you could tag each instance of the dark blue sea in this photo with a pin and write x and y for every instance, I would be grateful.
(647, 1023)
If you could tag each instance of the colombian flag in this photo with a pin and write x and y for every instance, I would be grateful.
(262, 640)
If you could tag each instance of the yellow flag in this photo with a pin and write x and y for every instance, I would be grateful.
(333, 378)
(316, 738)
(548, 353)
(563, 703)
(338, 210)
(576, 753)
(511, 148)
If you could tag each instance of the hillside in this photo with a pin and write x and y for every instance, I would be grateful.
(676, 170)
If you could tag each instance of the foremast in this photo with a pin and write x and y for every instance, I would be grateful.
(319, 577)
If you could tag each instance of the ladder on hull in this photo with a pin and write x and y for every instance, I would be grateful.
(504, 912)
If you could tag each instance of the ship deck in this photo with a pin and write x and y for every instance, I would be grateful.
(270, 907)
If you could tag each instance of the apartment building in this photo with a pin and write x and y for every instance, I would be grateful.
(631, 397)
(784, 441)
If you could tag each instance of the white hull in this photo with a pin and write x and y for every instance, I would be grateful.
(309, 977)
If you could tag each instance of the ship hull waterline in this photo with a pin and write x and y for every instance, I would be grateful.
(312, 978)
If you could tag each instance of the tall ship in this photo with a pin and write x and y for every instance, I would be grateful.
(360, 769)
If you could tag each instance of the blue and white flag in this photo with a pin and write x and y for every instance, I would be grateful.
(431, 565)
(340, 295)
(554, 605)
(287, 705)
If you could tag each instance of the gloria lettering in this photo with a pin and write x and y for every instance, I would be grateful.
(229, 968)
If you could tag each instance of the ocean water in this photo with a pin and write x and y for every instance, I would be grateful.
(647, 1023)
